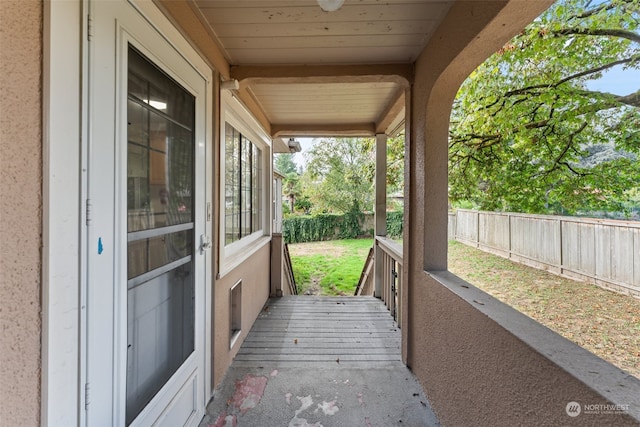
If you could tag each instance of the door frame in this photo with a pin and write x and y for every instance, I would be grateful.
(65, 81)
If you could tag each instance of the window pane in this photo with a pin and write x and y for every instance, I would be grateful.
(232, 183)
(137, 129)
(161, 148)
(160, 334)
(243, 186)
(147, 254)
(256, 203)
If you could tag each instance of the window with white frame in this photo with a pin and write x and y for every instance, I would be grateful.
(245, 171)
(243, 186)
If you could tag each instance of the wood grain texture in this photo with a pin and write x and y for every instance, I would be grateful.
(303, 331)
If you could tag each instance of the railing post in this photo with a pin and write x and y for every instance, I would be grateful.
(277, 245)
(380, 226)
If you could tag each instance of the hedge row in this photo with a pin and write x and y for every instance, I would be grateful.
(314, 228)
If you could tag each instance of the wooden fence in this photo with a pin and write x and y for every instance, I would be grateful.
(603, 252)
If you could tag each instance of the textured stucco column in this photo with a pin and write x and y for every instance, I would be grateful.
(439, 344)
(380, 214)
(21, 207)
(440, 69)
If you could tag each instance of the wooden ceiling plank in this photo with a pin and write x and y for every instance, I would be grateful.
(417, 26)
(378, 40)
(300, 13)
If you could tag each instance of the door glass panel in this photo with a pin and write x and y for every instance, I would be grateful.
(160, 226)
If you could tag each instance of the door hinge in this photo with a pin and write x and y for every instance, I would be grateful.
(89, 27)
(86, 395)
(87, 212)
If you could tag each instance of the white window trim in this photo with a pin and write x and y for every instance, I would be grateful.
(234, 254)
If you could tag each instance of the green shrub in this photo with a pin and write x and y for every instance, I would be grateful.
(395, 222)
(315, 228)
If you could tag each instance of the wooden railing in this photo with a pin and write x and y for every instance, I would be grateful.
(382, 275)
(365, 283)
(288, 271)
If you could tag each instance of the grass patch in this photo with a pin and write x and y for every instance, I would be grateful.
(329, 268)
(604, 322)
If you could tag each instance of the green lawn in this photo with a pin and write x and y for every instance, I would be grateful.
(329, 268)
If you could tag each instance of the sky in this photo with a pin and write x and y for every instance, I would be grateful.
(617, 81)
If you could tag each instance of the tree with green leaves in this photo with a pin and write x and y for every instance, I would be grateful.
(337, 177)
(528, 134)
(290, 183)
(285, 164)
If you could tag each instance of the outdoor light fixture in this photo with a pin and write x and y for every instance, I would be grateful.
(330, 5)
(294, 146)
(230, 84)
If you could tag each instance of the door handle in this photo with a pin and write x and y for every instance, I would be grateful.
(205, 243)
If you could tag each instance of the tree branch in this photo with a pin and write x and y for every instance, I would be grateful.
(597, 69)
(607, 32)
(532, 88)
(596, 10)
(633, 99)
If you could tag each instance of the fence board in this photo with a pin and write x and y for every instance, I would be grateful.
(636, 258)
(604, 252)
(494, 231)
(622, 255)
(587, 248)
(467, 225)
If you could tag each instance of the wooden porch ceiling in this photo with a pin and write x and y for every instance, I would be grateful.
(304, 71)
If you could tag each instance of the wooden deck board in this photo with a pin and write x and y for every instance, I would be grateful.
(304, 331)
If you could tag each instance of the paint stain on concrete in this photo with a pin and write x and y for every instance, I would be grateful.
(287, 398)
(367, 422)
(359, 395)
(248, 393)
(274, 373)
(225, 420)
(305, 403)
(329, 408)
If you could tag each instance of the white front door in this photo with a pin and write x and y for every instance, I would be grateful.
(146, 185)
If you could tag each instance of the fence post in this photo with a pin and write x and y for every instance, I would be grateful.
(477, 229)
(560, 254)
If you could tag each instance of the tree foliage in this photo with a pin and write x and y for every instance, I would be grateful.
(285, 165)
(337, 178)
(525, 124)
(340, 173)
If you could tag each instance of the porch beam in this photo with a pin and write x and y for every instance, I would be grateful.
(388, 120)
(400, 73)
(380, 213)
(351, 129)
(253, 105)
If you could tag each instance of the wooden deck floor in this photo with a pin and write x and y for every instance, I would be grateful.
(331, 331)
